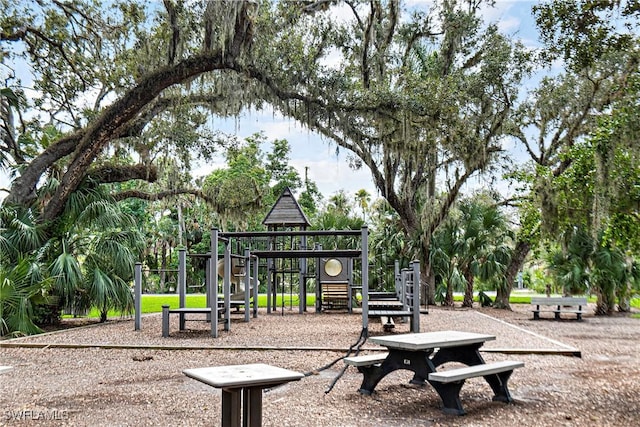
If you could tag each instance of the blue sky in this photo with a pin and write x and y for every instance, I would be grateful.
(327, 168)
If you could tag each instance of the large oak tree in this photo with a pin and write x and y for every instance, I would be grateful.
(75, 51)
(420, 99)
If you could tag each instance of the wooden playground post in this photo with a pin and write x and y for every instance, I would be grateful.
(212, 283)
(365, 279)
(207, 288)
(256, 264)
(302, 281)
(415, 319)
(318, 247)
(247, 283)
(226, 286)
(137, 289)
(182, 284)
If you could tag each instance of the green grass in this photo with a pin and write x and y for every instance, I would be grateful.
(513, 299)
(635, 303)
(154, 303)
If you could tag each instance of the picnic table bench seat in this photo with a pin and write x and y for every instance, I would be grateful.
(366, 360)
(558, 305)
(449, 383)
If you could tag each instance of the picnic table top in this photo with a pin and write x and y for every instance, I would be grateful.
(5, 369)
(237, 376)
(430, 340)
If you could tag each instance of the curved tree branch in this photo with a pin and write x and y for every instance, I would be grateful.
(113, 122)
(121, 173)
(152, 197)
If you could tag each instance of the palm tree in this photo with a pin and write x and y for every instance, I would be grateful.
(23, 283)
(585, 265)
(21, 292)
(389, 243)
(443, 259)
(363, 198)
(569, 264)
(92, 261)
(86, 260)
(482, 245)
(339, 202)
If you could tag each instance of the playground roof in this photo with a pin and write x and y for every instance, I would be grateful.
(286, 212)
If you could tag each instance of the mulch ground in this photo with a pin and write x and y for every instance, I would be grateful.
(111, 375)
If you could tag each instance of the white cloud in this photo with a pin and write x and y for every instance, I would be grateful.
(327, 169)
(334, 175)
(509, 25)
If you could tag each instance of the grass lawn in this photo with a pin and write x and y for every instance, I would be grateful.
(154, 303)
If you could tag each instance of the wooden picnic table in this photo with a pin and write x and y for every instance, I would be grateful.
(242, 387)
(423, 353)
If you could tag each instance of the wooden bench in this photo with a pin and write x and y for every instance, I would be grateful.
(449, 383)
(335, 295)
(366, 360)
(572, 305)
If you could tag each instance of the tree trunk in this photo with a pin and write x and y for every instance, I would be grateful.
(427, 291)
(624, 304)
(163, 267)
(468, 293)
(448, 299)
(503, 293)
(431, 288)
(603, 305)
(181, 225)
(427, 297)
(623, 295)
(517, 261)
(23, 188)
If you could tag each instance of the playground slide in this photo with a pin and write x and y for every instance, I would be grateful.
(237, 275)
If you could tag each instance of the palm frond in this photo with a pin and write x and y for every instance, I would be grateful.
(108, 292)
(117, 255)
(67, 275)
(104, 215)
(23, 232)
(17, 295)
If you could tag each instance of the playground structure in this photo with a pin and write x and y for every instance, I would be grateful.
(244, 270)
(293, 260)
